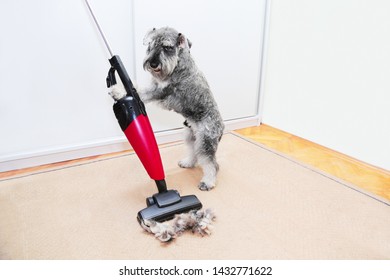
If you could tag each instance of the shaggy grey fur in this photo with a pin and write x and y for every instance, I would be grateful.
(178, 85)
(197, 221)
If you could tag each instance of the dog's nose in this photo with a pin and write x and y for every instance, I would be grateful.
(153, 64)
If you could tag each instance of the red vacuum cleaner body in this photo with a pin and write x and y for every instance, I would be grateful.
(145, 146)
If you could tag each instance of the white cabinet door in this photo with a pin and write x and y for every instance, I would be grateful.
(227, 39)
(53, 65)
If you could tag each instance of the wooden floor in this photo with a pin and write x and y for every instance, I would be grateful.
(365, 176)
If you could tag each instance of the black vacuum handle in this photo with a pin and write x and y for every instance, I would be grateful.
(117, 65)
(111, 80)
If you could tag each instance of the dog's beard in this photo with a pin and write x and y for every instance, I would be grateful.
(165, 68)
(168, 65)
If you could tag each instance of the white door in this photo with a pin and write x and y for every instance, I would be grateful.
(227, 39)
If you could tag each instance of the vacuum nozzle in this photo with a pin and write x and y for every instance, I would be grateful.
(164, 206)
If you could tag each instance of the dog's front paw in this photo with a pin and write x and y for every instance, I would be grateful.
(205, 187)
(117, 92)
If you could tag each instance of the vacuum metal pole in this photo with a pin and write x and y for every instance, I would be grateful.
(100, 29)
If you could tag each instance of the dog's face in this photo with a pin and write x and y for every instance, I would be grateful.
(164, 47)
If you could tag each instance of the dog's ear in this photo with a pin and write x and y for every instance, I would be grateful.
(183, 42)
(148, 36)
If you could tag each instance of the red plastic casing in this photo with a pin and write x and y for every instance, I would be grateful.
(140, 135)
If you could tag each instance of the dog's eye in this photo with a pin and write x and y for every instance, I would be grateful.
(168, 48)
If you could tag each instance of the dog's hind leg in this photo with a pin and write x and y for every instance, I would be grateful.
(190, 160)
(205, 149)
(210, 169)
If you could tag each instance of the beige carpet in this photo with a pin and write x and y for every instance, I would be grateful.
(268, 207)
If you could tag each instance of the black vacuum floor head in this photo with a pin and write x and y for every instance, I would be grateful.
(164, 206)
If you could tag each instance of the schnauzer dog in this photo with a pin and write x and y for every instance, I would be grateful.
(178, 85)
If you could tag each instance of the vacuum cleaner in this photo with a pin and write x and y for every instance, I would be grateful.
(134, 122)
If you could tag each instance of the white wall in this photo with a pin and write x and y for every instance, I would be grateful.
(327, 75)
(53, 65)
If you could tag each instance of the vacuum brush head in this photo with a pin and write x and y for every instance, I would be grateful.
(164, 206)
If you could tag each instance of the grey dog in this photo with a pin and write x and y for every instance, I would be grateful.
(178, 85)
